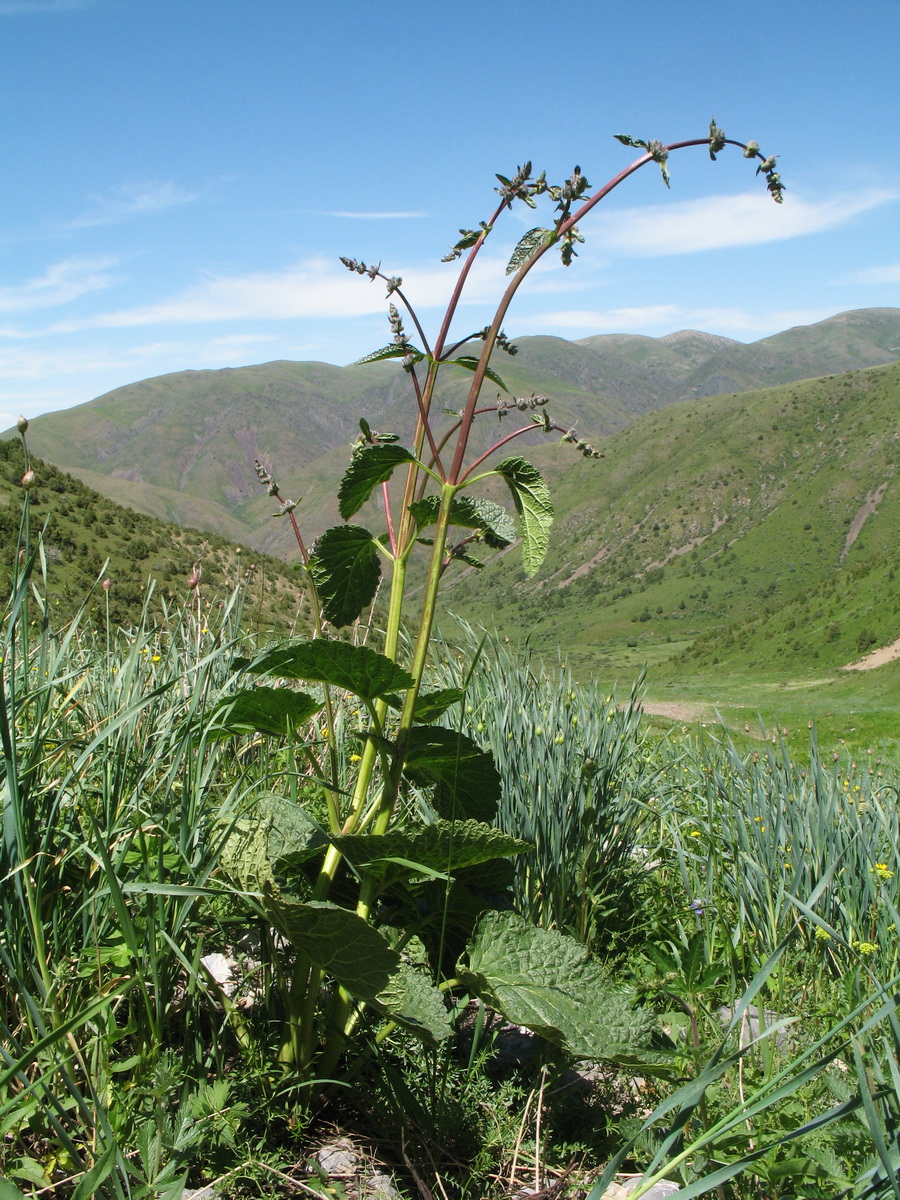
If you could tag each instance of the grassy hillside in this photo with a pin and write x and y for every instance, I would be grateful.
(181, 447)
(742, 538)
(84, 530)
(688, 364)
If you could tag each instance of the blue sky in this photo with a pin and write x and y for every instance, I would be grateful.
(180, 176)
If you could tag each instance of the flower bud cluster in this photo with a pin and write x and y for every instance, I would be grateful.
(265, 478)
(501, 342)
(522, 403)
(360, 267)
(574, 187)
(373, 272)
(515, 187)
(401, 338)
(586, 449)
(717, 139)
(773, 179)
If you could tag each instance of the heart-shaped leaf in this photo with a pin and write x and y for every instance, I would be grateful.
(497, 526)
(368, 468)
(531, 496)
(345, 568)
(357, 669)
(467, 783)
(275, 711)
(547, 981)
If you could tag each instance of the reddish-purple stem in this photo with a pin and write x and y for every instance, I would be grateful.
(532, 428)
(488, 348)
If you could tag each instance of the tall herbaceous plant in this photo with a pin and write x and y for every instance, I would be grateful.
(341, 877)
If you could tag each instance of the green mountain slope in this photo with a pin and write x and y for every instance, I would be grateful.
(707, 518)
(88, 537)
(688, 364)
(182, 446)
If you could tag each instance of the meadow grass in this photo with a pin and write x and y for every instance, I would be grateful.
(708, 873)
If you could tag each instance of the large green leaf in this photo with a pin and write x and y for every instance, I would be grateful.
(368, 468)
(391, 351)
(546, 981)
(470, 363)
(280, 836)
(445, 846)
(431, 705)
(497, 526)
(275, 711)
(467, 783)
(345, 569)
(531, 496)
(357, 669)
(528, 243)
(277, 836)
(345, 946)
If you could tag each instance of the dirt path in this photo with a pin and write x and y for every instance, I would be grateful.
(867, 509)
(675, 711)
(876, 659)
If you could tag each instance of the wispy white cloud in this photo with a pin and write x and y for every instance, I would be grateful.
(764, 323)
(716, 222)
(28, 361)
(314, 288)
(59, 284)
(888, 274)
(616, 320)
(132, 200)
(653, 318)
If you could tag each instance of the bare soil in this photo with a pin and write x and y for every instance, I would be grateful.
(876, 659)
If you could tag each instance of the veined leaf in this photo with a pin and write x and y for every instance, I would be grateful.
(347, 947)
(368, 468)
(532, 240)
(497, 526)
(467, 783)
(345, 568)
(277, 836)
(546, 981)
(358, 669)
(392, 351)
(531, 496)
(274, 711)
(445, 846)
(431, 705)
(627, 140)
(468, 362)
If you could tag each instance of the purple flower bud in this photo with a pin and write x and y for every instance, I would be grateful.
(106, 584)
(29, 480)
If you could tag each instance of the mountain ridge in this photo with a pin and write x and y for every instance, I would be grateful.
(182, 446)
